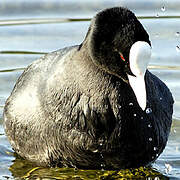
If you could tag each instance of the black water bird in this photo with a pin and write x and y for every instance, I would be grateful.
(94, 104)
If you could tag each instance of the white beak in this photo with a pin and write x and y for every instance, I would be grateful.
(139, 57)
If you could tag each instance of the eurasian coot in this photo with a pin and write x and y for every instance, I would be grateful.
(94, 104)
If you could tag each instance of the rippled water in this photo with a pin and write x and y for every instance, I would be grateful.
(29, 29)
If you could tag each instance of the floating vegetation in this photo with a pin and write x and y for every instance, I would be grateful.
(33, 172)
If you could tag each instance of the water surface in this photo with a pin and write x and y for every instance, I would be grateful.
(29, 29)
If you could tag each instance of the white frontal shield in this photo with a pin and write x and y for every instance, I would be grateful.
(139, 57)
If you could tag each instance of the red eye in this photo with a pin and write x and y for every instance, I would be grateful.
(122, 57)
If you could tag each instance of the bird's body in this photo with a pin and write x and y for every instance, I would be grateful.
(68, 109)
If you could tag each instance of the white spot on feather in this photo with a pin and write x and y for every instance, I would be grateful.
(148, 110)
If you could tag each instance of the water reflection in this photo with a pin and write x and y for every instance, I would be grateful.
(64, 20)
(40, 21)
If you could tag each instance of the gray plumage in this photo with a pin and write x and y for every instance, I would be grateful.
(69, 108)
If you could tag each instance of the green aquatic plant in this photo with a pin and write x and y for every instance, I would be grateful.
(24, 169)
